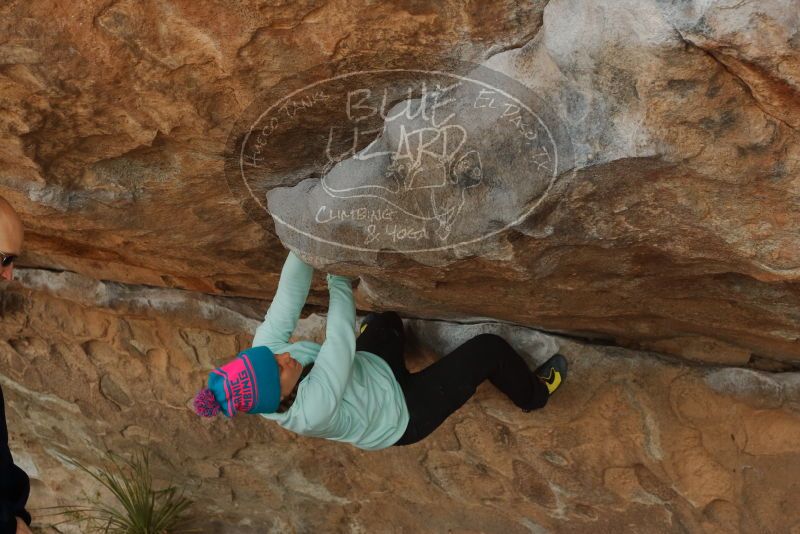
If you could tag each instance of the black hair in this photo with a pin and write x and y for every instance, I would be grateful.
(287, 401)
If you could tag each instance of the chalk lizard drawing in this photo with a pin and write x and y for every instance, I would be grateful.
(426, 175)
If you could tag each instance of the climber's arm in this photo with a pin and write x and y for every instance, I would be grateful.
(327, 381)
(284, 312)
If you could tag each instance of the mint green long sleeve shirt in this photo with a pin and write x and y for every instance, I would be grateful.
(350, 396)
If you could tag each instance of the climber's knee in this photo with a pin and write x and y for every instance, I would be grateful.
(489, 342)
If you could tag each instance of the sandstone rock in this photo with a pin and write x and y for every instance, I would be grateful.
(630, 442)
(676, 222)
(666, 221)
(701, 348)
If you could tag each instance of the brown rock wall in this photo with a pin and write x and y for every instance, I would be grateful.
(677, 226)
(632, 441)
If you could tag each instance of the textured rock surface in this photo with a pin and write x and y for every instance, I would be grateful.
(677, 230)
(115, 117)
(672, 226)
(632, 441)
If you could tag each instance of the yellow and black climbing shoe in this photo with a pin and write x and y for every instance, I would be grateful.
(553, 372)
(365, 322)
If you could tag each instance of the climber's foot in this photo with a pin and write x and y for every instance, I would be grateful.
(365, 322)
(552, 372)
(388, 319)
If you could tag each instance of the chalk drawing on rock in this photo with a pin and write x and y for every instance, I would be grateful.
(397, 160)
(426, 175)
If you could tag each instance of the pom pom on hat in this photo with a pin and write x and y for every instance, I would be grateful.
(205, 404)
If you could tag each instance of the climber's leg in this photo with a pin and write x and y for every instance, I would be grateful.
(442, 388)
(382, 334)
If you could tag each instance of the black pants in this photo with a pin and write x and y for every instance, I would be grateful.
(443, 387)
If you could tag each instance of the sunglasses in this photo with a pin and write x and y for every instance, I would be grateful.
(7, 259)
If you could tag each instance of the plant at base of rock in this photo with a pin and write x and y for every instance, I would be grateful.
(140, 509)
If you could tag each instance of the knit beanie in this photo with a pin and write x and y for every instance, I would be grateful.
(249, 383)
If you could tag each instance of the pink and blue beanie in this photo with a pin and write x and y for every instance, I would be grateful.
(249, 383)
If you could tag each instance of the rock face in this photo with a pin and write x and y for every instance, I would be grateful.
(669, 223)
(632, 441)
(115, 119)
(613, 169)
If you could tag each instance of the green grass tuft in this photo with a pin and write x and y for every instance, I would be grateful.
(139, 508)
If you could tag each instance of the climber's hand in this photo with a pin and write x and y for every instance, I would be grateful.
(22, 528)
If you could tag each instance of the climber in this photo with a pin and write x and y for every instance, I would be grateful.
(358, 390)
(14, 483)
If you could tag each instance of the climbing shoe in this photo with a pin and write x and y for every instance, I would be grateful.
(552, 372)
(365, 322)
